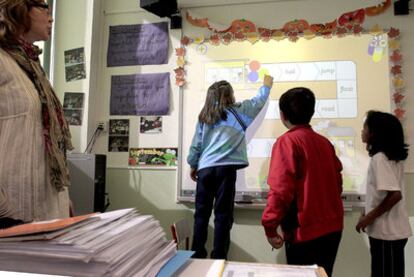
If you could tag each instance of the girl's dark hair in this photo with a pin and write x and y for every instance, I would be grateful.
(220, 95)
(298, 105)
(385, 134)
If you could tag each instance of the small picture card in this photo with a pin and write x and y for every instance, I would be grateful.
(153, 156)
(151, 124)
(118, 139)
(73, 107)
(75, 64)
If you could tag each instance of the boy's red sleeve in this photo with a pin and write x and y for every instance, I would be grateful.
(281, 185)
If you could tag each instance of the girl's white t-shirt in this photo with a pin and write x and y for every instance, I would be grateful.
(383, 176)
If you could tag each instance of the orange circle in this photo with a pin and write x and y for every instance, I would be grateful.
(254, 65)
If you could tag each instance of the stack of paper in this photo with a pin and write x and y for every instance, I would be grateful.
(118, 243)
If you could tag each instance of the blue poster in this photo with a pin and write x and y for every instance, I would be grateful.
(139, 44)
(140, 94)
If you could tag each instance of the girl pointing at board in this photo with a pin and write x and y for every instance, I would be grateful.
(217, 151)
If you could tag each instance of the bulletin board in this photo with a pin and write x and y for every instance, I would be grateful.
(121, 76)
(347, 77)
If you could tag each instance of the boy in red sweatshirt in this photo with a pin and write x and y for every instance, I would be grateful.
(305, 188)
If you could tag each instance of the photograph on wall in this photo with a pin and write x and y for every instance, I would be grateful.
(153, 156)
(151, 125)
(118, 139)
(75, 64)
(118, 143)
(73, 107)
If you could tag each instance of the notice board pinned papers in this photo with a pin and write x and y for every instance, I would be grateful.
(140, 44)
(140, 94)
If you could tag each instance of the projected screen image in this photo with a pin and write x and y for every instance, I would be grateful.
(347, 77)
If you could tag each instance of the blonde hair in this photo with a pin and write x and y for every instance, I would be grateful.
(14, 18)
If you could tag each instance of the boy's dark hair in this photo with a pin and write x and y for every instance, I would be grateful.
(385, 134)
(220, 95)
(298, 105)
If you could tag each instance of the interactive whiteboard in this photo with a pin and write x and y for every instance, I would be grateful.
(347, 75)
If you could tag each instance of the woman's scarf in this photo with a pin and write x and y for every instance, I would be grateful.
(55, 129)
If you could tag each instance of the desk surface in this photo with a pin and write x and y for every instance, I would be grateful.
(201, 267)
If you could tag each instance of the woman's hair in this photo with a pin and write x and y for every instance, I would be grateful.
(385, 134)
(14, 18)
(298, 105)
(220, 95)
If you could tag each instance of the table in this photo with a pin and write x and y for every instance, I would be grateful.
(209, 267)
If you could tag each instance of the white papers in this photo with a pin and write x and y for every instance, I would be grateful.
(119, 243)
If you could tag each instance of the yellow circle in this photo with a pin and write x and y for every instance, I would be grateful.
(263, 72)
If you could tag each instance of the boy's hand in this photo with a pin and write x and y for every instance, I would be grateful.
(268, 81)
(276, 242)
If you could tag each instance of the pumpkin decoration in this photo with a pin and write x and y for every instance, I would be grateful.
(350, 19)
(297, 25)
(376, 10)
(241, 26)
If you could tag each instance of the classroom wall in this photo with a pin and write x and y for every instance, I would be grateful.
(153, 191)
(72, 32)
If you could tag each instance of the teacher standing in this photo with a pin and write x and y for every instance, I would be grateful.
(34, 135)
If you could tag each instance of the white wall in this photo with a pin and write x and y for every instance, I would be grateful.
(73, 27)
(153, 191)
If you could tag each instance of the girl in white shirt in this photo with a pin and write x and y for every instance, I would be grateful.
(385, 219)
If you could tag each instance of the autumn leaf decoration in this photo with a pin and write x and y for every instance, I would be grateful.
(179, 71)
(397, 80)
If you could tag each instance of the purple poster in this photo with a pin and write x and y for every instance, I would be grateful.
(139, 44)
(140, 94)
